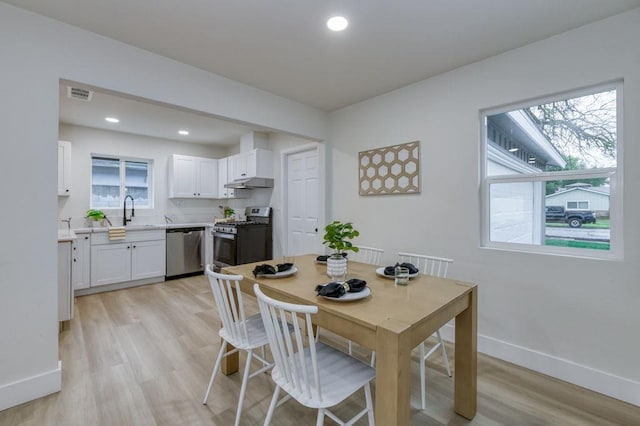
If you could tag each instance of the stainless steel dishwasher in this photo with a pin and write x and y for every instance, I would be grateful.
(185, 251)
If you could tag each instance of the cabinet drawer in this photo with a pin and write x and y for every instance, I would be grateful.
(131, 236)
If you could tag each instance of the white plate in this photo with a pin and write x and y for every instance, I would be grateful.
(350, 297)
(283, 274)
(380, 271)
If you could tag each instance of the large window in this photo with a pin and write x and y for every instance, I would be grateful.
(112, 179)
(550, 174)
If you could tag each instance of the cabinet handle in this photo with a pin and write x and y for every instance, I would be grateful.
(86, 238)
(128, 247)
(74, 260)
(66, 190)
(198, 194)
(134, 246)
(243, 174)
(316, 229)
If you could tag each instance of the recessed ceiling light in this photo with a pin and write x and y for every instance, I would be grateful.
(183, 132)
(337, 23)
(513, 149)
(112, 120)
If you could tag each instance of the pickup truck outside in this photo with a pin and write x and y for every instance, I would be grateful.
(575, 218)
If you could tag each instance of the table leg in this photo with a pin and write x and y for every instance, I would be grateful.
(466, 358)
(393, 373)
(230, 363)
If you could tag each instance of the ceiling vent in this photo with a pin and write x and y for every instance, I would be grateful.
(78, 93)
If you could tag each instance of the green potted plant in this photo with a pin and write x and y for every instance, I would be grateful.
(336, 238)
(229, 212)
(96, 217)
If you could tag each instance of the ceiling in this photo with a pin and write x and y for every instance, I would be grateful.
(285, 48)
(142, 117)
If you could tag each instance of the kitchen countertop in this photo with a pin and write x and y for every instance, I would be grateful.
(140, 227)
(65, 235)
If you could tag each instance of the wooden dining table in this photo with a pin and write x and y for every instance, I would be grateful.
(392, 321)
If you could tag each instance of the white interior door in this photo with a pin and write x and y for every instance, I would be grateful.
(304, 233)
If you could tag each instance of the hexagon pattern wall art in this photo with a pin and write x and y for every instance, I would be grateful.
(390, 170)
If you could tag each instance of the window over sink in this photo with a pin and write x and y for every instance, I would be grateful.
(113, 178)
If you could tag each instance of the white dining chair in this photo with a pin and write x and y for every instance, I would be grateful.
(437, 267)
(243, 333)
(370, 255)
(316, 375)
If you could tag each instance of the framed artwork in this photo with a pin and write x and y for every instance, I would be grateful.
(390, 170)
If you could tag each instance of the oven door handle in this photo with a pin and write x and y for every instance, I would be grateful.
(223, 235)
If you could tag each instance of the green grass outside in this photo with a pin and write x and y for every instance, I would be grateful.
(600, 224)
(577, 244)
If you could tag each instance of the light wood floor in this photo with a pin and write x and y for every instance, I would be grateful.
(143, 356)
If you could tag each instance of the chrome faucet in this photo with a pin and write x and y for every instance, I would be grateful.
(68, 223)
(124, 210)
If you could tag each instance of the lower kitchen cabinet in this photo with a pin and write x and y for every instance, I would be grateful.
(148, 259)
(81, 262)
(117, 262)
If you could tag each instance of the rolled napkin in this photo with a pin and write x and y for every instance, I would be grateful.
(324, 258)
(335, 289)
(117, 233)
(391, 270)
(284, 267)
(266, 269)
(263, 269)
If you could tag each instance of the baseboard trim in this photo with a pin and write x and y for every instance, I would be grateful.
(598, 381)
(118, 286)
(30, 388)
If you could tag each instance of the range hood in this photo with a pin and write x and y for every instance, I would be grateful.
(250, 183)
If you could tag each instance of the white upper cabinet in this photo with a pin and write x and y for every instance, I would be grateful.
(207, 178)
(193, 177)
(223, 178)
(64, 168)
(255, 163)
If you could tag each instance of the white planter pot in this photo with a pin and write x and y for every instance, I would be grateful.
(337, 267)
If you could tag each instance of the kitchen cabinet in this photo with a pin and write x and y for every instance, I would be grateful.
(64, 168)
(81, 261)
(193, 177)
(255, 163)
(140, 256)
(223, 179)
(65, 289)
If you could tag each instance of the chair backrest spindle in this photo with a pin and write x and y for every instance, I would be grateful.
(370, 255)
(228, 298)
(428, 265)
(298, 365)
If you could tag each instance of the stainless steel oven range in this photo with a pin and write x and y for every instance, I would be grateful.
(236, 243)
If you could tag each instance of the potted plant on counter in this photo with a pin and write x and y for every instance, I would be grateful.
(96, 218)
(336, 237)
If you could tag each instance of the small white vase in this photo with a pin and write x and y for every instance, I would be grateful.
(337, 267)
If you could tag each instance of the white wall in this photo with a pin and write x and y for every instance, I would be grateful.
(86, 141)
(574, 318)
(35, 53)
